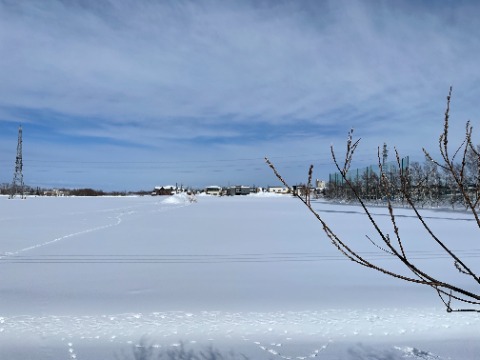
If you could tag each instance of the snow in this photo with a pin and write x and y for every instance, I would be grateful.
(91, 278)
(181, 198)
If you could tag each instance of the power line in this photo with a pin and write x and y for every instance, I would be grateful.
(217, 258)
(304, 157)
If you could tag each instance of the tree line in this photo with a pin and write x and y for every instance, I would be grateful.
(6, 189)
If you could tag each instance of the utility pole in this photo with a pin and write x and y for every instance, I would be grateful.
(17, 183)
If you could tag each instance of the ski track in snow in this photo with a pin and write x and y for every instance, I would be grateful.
(117, 220)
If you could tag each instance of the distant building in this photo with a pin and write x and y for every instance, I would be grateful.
(238, 190)
(320, 188)
(213, 190)
(54, 192)
(278, 189)
(320, 185)
(300, 189)
(164, 190)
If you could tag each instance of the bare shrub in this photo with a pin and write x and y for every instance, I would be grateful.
(145, 351)
(463, 170)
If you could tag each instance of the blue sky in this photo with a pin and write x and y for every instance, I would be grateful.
(126, 95)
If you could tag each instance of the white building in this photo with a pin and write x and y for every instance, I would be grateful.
(213, 190)
(278, 189)
(320, 185)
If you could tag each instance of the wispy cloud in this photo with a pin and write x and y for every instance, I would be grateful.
(187, 74)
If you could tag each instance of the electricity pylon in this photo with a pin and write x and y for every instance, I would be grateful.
(17, 183)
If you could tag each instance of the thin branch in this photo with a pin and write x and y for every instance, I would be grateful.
(279, 177)
(446, 291)
(378, 246)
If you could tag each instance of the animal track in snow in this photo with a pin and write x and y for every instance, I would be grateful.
(277, 352)
(117, 217)
(71, 351)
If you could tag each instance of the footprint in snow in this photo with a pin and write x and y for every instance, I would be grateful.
(314, 354)
(71, 351)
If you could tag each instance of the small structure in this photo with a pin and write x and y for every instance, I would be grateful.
(213, 190)
(320, 188)
(299, 190)
(320, 185)
(278, 189)
(238, 190)
(164, 190)
(54, 192)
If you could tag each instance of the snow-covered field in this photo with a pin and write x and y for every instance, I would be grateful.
(98, 278)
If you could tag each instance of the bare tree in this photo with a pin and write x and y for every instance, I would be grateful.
(449, 292)
(433, 183)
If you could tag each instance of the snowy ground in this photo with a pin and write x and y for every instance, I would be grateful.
(95, 278)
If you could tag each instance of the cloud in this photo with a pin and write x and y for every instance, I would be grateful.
(149, 73)
(155, 59)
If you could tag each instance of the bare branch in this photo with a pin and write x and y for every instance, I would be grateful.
(279, 177)
(390, 187)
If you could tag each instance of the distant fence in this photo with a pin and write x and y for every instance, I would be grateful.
(358, 174)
